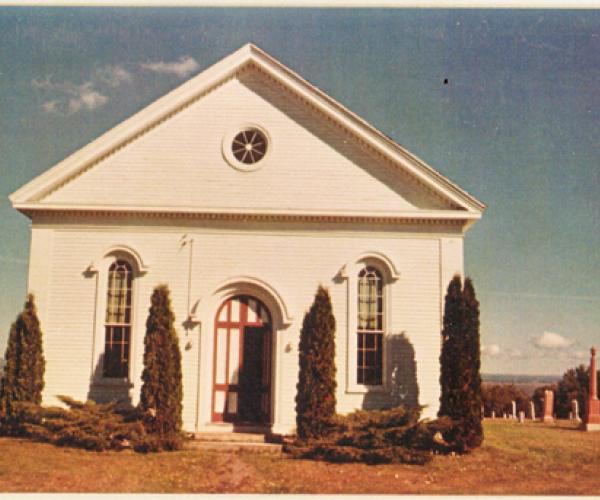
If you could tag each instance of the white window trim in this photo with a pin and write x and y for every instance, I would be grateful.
(101, 271)
(349, 273)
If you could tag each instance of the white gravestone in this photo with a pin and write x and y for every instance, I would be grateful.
(575, 410)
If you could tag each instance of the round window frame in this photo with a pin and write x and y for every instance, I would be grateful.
(226, 148)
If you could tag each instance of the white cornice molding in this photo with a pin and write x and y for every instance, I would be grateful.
(236, 213)
(203, 83)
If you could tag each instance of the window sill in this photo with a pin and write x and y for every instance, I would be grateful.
(112, 382)
(364, 389)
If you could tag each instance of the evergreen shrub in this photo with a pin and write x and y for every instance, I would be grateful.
(162, 387)
(460, 362)
(23, 377)
(91, 426)
(88, 425)
(377, 436)
(315, 398)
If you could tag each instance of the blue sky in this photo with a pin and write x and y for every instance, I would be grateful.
(517, 125)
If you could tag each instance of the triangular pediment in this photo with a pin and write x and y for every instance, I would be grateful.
(176, 155)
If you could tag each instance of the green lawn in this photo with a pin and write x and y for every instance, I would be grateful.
(515, 459)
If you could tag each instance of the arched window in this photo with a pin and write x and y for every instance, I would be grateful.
(118, 320)
(370, 327)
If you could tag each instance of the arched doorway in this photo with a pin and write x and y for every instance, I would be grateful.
(242, 362)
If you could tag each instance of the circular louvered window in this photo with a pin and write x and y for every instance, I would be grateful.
(246, 147)
(249, 146)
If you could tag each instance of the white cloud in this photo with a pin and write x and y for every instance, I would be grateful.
(114, 75)
(73, 97)
(581, 355)
(550, 340)
(491, 350)
(185, 66)
(87, 98)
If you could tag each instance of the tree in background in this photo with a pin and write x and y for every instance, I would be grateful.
(499, 398)
(574, 384)
(23, 379)
(315, 398)
(460, 378)
(162, 391)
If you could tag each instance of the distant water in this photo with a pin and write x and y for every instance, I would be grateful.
(504, 378)
(494, 378)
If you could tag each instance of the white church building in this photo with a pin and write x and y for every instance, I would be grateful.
(243, 190)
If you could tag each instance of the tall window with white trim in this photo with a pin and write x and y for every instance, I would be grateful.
(118, 320)
(370, 327)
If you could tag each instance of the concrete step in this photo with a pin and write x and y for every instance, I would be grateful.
(229, 437)
(194, 444)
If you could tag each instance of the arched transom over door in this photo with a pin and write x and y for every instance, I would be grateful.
(242, 362)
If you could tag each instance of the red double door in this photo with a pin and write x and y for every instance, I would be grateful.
(242, 362)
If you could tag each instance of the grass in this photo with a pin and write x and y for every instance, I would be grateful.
(516, 458)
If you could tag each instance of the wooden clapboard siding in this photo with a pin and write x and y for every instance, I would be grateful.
(180, 162)
(292, 262)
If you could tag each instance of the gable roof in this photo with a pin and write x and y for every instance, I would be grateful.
(28, 197)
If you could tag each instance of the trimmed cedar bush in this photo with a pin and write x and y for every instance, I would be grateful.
(473, 416)
(451, 346)
(162, 391)
(375, 437)
(315, 398)
(460, 379)
(23, 379)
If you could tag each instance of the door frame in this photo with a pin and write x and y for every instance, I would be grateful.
(261, 318)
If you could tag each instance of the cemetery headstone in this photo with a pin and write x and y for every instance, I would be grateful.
(514, 409)
(521, 417)
(575, 410)
(532, 409)
(548, 406)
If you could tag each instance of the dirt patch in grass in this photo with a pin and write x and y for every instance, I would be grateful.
(515, 459)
